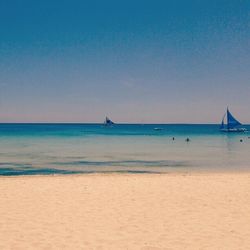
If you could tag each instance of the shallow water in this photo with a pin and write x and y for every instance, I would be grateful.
(87, 148)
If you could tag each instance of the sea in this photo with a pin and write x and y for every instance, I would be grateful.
(45, 149)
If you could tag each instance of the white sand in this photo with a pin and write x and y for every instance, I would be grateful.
(169, 211)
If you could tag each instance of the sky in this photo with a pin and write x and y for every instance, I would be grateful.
(134, 61)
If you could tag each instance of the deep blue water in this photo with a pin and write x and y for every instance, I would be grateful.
(116, 130)
(87, 148)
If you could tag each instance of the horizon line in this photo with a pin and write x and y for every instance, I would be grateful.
(116, 123)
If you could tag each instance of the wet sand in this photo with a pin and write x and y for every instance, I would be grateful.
(126, 211)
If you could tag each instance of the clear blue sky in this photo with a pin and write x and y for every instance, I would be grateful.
(135, 61)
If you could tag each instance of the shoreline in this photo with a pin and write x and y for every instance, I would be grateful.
(181, 172)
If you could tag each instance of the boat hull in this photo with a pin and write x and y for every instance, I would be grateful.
(234, 130)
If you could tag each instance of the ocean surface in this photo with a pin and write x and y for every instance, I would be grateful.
(29, 149)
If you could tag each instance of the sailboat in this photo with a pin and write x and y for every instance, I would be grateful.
(108, 122)
(232, 124)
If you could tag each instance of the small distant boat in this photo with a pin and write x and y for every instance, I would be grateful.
(232, 124)
(158, 129)
(108, 122)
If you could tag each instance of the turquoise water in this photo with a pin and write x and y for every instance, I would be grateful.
(89, 148)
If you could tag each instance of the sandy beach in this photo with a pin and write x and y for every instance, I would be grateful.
(126, 211)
